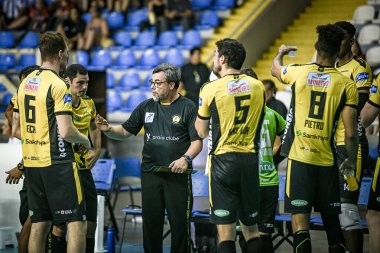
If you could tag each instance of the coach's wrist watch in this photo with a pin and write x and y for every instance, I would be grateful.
(20, 167)
(187, 158)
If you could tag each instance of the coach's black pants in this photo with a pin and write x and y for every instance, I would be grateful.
(172, 192)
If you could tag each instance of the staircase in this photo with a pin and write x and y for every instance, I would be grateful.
(302, 33)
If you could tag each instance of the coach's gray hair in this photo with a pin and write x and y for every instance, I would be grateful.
(172, 73)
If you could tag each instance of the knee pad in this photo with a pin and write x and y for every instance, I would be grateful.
(349, 218)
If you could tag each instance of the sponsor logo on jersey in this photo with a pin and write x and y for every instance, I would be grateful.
(32, 84)
(299, 202)
(163, 138)
(149, 116)
(362, 76)
(34, 142)
(221, 213)
(318, 79)
(378, 199)
(147, 136)
(200, 101)
(373, 88)
(253, 215)
(238, 86)
(67, 98)
(61, 146)
(176, 119)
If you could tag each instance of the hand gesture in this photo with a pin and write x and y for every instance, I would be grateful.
(101, 123)
(14, 176)
(347, 168)
(179, 166)
(92, 158)
(283, 49)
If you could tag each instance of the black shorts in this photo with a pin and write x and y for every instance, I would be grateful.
(55, 193)
(24, 211)
(346, 195)
(90, 195)
(268, 207)
(234, 188)
(374, 194)
(309, 185)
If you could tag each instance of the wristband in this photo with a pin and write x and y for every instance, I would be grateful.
(20, 167)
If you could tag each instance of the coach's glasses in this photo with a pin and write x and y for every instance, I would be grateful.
(158, 84)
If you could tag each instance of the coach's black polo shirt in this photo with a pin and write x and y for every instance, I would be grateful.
(169, 130)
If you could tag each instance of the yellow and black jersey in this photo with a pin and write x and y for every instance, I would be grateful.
(83, 115)
(235, 104)
(41, 96)
(360, 72)
(319, 95)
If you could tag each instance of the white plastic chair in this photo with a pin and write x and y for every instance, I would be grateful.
(363, 14)
(369, 34)
(373, 56)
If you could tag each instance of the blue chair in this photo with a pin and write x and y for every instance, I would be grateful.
(145, 39)
(122, 38)
(134, 20)
(175, 57)
(87, 17)
(115, 20)
(110, 80)
(100, 60)
(82, 57)
(146, 85)
(133, 101)
(7, 98)
(209, 19)
(167, 39)
(114, 101)
(125, 59)
(127, 176)
(7, 40)
(2, 87)
(129, 81)
(26, 60)
(191, 38)
(149, 59)
(30, 40)
(7, 61)
(223, 4)
(200, 4)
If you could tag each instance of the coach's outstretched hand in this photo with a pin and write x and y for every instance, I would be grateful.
(179, 166)
(14, 176)
(102, 123)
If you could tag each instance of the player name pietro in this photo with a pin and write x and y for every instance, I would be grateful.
(314, 124)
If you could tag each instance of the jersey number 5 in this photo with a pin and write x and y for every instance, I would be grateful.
(239, 107)
(30, 110)
(317, 104)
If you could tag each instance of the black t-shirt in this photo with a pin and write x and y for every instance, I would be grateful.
(169, 130)
(193, 77)
(72, 28)
(277, 106)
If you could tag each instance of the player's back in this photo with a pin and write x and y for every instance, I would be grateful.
(41, 96)
(319, 95)
(236, 104)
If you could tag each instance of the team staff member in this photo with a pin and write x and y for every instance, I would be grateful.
(360, 72)
(235, 105)
(47, 154)
(319, 95)
(170, 140)
(84, 112)
(369, 113)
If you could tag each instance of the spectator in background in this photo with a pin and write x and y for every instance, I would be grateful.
(179, 12)
(15, 15)
(194, 75)
(270, 97)
(61, 10)
(156, 16)
(117, 5)
(73, 28)
(39, 17)
(96, 33)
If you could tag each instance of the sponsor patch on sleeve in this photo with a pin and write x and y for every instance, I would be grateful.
(362, 76)
(67, 98)
(200, 102)
(373, 89)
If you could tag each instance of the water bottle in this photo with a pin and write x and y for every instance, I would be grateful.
(111, 239)
(352, 183)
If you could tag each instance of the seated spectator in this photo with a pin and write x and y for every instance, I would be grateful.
(117, 5)
(96, 33)
(179, 12)
(156, 15)
(14, 14)
(61, 10)
(73, 28)
(39, 16)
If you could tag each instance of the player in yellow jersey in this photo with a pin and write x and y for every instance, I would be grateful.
(320, 94)
(84, 112)
(360, 72)
(235, 106)
(43, 118)
(369, 113)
